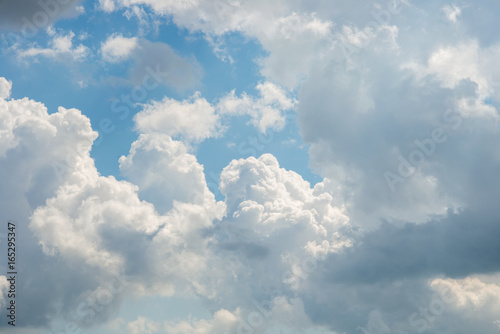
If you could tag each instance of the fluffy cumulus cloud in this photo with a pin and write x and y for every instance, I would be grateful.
(165, 172)
(266, 111)
(141, 233)
(54, 193)
(34, 154)
(117, 47)
(277, 228)
(195, 119)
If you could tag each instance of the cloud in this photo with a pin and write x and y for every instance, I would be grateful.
(470, 291)
(266, 112)
(277, 228)
(356, 252)
(285, 30)
(374, 83)
(60, 47)
(71, 217)
(5, 88)
(30, 15)
(116, 47)
(366, 114)
(152, 57)
(452, 12)
(142, 325)
(165, 172)
(194, 119)
(286, 315)
(43, 143)
(223, 321)
(183, 242)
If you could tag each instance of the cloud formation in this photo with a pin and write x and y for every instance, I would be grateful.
(28, 16)
(398, 102)
(117, 47)
(195, 119)
(159, 58)
(60, 48)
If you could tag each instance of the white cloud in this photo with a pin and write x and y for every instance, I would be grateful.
(117, 48)
(266, 112)
(142, 325)
(107, 5)
(194, 119)
(183, 241)
(97, 221)
(84, 220)
(61, 46)
(276, 232)
(33, 145)
(165, 172)
(452, 12)
(465, 61)
(470, 292)
(5, 88)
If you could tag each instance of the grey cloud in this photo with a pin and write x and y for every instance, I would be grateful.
(159, 61)
(33, 14)
(390, 269)
(461, 245)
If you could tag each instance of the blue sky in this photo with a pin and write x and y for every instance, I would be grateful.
(106, 82)
(245, 166)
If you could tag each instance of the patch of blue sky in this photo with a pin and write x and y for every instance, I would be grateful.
(71, 83)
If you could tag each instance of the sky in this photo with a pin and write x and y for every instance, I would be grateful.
(250, 167)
